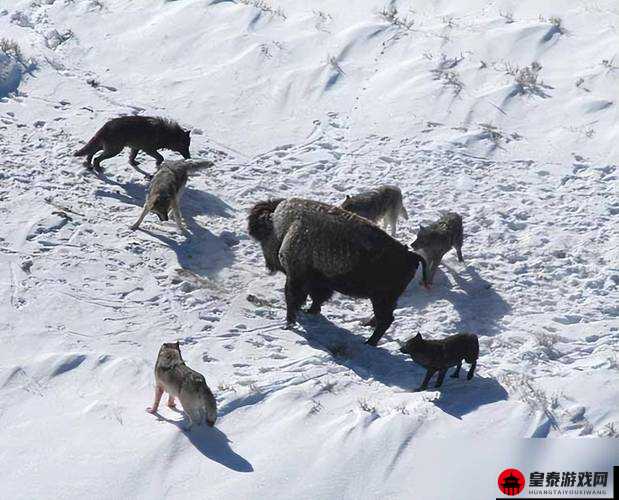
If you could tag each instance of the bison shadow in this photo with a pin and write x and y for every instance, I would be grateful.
(457, 396)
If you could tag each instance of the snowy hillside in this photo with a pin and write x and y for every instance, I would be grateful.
(505, 112)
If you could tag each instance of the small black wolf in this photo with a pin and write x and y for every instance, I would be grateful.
(139, 133)
(439, 355)
(435, 240)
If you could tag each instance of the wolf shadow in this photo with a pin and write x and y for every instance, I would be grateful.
(213, 444)
(479, 306)
(200, 252)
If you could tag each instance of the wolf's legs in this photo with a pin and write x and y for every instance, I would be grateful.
(171, 402)
(369, 322)
(155, 154)
(158, 394)
(424, 384)
(132, 155)
(433, 268)
(456, 373)
(403, 212)
(88, 160)
(469, 375)
(441, 377)
(145, 211)
(108, 152)
(177, 215)
(383, 312)
(295, 298)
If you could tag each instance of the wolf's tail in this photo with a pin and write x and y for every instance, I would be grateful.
(260, 225)
(90, 148)
(403, 212)
(203, 414)
(197, 164)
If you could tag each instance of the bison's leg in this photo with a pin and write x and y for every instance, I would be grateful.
(383, 312)
(296, 295)
(319, 294)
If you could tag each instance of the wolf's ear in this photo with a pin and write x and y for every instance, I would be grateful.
(178, 345)
(421, 228)
(418, 336)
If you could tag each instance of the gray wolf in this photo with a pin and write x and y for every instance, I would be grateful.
(145, 133)
(173, 376)
(435, 240)
(439, 355)
(384, 202)
(322, 248)
(166, 188)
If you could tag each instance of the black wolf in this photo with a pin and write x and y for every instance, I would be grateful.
(322, 249)
(439, 355)
(144, 133)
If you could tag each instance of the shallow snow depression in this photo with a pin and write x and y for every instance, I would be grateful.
(316, 101)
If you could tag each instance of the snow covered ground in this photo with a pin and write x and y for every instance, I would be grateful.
(313, 99)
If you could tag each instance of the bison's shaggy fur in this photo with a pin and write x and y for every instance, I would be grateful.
(322, 249)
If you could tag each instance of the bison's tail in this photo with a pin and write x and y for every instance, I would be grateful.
(260, 225)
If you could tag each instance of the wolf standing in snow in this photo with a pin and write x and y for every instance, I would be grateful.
(435, 240)
(439, 355)
(173, 376)
(144, 133)
(384, 202)
(322, 249)
(166, 188)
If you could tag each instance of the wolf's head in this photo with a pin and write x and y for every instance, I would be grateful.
(177, 138)
(170, 352)
(181, 145)
(423, 236)
(412, 345)
(346, 204)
